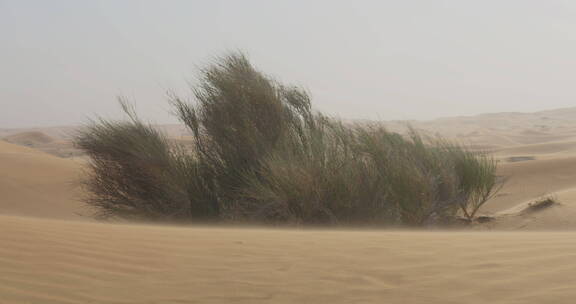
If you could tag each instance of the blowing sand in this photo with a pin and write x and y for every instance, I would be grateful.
(50, 261)
(50, 254)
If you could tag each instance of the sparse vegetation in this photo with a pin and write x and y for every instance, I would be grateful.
(542, 203)
(261, 154)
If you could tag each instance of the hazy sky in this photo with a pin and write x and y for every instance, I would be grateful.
(64, 61)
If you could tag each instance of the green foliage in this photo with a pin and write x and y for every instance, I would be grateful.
(135, 172)
(317, 178)
(261, 154)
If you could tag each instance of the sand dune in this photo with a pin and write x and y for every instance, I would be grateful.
(552, 148)
(552, 172)
(61, 260)
(48, 261)
(30, 138)
(60, 146)
(37, 184)
(560, 216)
(534, 178)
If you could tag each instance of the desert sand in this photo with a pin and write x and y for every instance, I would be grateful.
(34, 183)
(51, 254)
(55, 261)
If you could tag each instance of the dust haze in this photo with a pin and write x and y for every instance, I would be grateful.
(287, 152)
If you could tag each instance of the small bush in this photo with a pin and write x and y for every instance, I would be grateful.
(136, 173)
(261, 154)
(542, 203)
(478, 180)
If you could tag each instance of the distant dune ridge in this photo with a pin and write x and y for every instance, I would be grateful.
(492, 130)
(30, 138)
(51, 254)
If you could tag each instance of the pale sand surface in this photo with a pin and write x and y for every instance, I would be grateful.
(531, 179)
(50, 254)
(54, 261)
(34, 183)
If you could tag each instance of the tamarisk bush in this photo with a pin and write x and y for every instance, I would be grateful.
(261, 154)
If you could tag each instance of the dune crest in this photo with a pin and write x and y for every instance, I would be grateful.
(34, 183)
(29, 138)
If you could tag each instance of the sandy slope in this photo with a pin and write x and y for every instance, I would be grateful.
(37, 184)
(63, 261)
(548, 169)
(48, 261)
(558, 217)
(60, 146)
(532, 179)
(55, 261)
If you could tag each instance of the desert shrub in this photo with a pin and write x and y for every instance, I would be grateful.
(316, 178)
(135, 172)
(478, 181)
(365, 175)
(542, 203)
(240, 116)
(420, 176)
(261, 154)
